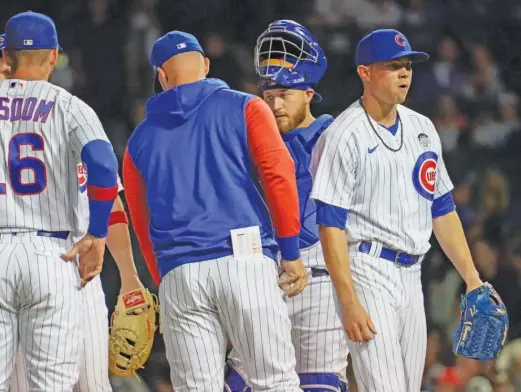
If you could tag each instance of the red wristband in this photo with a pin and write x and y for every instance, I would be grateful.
(118, 217)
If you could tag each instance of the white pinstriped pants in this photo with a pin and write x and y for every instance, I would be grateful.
(93, 361)
(40, 311)
(392, 295)
(205, 304)
(317, 333)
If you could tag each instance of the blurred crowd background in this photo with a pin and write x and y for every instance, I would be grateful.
(470, 88)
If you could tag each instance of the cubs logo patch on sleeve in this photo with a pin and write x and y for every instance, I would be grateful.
(424, 174)
(82, 177)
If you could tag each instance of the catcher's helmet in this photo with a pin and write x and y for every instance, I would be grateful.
(287, 54)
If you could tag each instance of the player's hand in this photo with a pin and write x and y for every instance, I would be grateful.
(294, 277)
(358, 325)
(130, 283)
(90, 251)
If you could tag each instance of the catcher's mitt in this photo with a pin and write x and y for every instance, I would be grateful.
(483, 326)
(133, 324)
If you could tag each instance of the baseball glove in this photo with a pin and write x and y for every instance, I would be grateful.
(133, 324)
(483, 326)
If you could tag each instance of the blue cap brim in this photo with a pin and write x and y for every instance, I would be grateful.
(416, 57)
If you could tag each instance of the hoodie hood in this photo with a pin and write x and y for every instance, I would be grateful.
(180, 102)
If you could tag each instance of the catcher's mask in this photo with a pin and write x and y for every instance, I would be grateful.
(288, 56)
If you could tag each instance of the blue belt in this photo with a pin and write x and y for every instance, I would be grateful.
(401, 258)
(63, 235)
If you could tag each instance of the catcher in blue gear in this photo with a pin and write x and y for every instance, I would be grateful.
(483, 327)
(290, 63)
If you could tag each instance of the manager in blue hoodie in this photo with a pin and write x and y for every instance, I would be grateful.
(195, 172)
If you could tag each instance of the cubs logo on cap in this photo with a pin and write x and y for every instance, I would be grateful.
(400, 39)
(424, 174)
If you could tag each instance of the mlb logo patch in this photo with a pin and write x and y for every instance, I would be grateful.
(28, 42)
(181, 45)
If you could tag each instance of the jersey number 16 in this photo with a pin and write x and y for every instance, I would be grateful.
(16, 165)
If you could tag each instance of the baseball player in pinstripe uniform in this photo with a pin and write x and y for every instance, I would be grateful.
(45, 132)
(94, 373)
(93, 358)
(379, 176)
(198, 213)
(290, 62)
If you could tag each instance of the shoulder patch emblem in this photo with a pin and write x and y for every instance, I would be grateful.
(424, 174)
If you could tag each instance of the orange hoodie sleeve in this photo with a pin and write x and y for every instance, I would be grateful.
(135, 194)
(276, 170)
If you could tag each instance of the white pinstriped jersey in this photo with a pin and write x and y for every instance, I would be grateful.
(389, 194)
(43, 129)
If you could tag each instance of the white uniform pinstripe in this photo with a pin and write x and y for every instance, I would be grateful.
(206, 304)
(93, 361)
(51, 149)
(45, 320)
(317, 333)
(316, 330)
(389, 195)
(43, 129)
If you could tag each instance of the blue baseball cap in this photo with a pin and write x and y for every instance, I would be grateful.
(172, 44)
(386, 45)
(31, 31)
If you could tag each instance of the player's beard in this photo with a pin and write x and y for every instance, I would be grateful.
(289, 123)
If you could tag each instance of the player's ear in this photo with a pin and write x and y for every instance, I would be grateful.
(53, 57)
(206, 66)
(364, 73)
(309, 95)
(163, 78)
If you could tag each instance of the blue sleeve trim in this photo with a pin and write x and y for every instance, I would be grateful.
(101, 162)
(443, 205)
(99, 215)
(102, 172)
(332, 216)
(289, 247)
